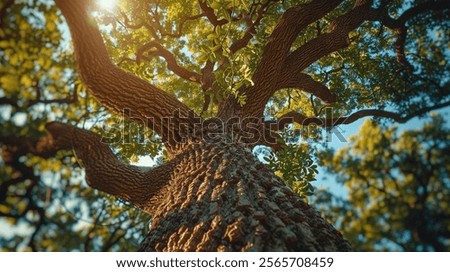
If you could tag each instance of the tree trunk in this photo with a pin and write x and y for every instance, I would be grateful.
(220, 198)
(212, 195)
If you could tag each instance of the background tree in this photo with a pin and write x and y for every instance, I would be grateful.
(272, 64)
(398, 188)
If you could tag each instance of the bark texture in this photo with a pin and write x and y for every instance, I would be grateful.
(104, 171)
(116, 89)
(220, 198)
(213, 196)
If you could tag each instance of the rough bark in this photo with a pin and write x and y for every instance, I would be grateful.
(117, 89)
(277, 50)
(213, 196)
(104, 171)
(221, 199)
(273, 60)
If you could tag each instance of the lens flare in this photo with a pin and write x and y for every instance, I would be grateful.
(107, 4)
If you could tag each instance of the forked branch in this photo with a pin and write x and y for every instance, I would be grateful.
(277, 49)
(209, 13)
(251, 26)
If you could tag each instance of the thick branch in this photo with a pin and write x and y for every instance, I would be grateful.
(280, 41)
(309, 85)
(115, 88)
(209, 13)
(277, 49)
(326, 43)
(104, 171)
(27, 145)
(8, 101)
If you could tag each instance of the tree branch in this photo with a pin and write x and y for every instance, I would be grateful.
(4, 11)
(104, 171)
(159, 27)
(208, 79)
(266, 74)
(127, 23)
(209, 13)
(326, 43)
(251, 27)
(181, 26)
(301, 119)
(422, 8)
(38, 100)
(140, 186)
(248, 35)
(399, 25)
(27, 145)
(172, 63)
(8, 101)
(309, 85)
(115, 88)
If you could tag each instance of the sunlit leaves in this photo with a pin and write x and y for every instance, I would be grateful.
(9, 83)
(296, 167)
(398, 185)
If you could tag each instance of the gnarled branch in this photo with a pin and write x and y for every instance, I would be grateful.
(115, 88)
(326, 43)
(104, 171)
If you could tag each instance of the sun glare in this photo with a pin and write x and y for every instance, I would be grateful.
(107, 4)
